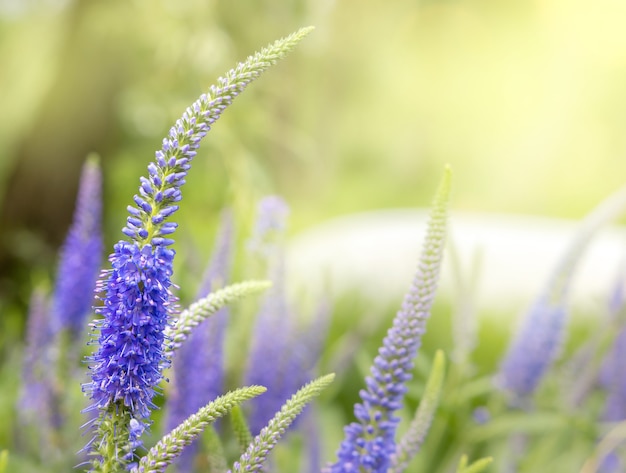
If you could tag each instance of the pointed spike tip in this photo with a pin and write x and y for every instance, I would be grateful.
(93, 159)
(440, 359)
(443, 192)
(306, 30)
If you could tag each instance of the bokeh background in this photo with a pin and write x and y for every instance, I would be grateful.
(525, 100)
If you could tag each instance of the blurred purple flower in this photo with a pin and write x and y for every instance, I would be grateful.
(35, 398)
(283, 353)
(81, 255)
(198, 365)
(534, 348)
(537, 343)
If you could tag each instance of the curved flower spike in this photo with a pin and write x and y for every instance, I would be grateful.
(137, 297)
(538, 341)
(369, 443)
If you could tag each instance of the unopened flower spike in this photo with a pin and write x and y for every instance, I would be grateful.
(199, 311)
(254, 457)
(369, 443)
(81, 255)
(536, 344)
(136, 292)
(169, 447)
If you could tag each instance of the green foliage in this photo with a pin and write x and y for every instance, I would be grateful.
(4, 460)
(240, 428)
(475, 467)
(216, 457)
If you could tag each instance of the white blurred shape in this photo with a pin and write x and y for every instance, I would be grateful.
(375, 254)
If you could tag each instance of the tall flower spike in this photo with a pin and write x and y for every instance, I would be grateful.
(536, 345)
(269, 356)
(198, 366)
(137, 301)
(370, 442)
(81, 255)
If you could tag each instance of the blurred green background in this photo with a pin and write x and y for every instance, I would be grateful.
(524, 99)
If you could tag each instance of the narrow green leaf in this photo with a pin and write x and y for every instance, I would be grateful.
(462, 464)
(476, 467)
(205, 307)
(216, 456)
(170, 446)
(240, 427)
(412, 441)
(256, 453)
(4, 460)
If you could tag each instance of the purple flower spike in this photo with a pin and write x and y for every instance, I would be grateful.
(36, 368)
(534, 348)
(538, 341)
(128, 364)
(136, 292)
(615, 409)
(81, 255)
(369, 442)
(272, 362)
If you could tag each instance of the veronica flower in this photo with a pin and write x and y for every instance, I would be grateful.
(81, 255)
(272, 326)
(369, 443)
(282, 353)
(537, 343)
(198, 365)
(137, 297)
(35, 403)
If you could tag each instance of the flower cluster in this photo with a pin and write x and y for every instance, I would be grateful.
(129, 361)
